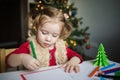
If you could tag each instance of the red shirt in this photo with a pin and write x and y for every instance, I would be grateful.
(24, 48)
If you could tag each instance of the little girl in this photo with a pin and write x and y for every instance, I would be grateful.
(46, 47)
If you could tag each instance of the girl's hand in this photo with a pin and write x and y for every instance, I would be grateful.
(72, 65)
(29, 62)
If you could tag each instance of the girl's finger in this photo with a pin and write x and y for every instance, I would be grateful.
(35, 66)
(77, 69)
(62, 66)
(67, 68)
(71, 69)
(37, 63)
(30, 67)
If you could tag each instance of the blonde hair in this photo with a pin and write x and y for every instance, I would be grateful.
(54, 15)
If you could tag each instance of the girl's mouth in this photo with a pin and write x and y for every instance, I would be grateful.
(46, 44)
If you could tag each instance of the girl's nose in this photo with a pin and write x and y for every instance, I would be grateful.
(48, 38)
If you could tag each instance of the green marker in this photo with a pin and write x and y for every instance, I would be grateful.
(33, 49)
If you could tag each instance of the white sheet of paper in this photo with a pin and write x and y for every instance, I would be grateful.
(58, 73)
(53, 74)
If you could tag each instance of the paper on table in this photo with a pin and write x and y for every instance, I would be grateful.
(59, 74)
(52, 74)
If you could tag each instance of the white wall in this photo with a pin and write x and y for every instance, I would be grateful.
(103, 17)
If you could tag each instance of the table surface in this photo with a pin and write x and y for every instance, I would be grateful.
(86, 67)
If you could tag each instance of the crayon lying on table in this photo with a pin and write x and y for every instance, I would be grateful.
(101, 78)
(111, 70)
(94, 71)
(109, 76)
(109, 66)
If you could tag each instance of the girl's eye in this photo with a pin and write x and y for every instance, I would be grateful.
(44, 32)
(55, 35)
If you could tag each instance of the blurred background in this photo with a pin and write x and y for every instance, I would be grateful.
(101, 16)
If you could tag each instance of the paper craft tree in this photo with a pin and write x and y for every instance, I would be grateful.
(101, 58)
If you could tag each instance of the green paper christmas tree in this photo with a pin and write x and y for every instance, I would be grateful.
(101, 58)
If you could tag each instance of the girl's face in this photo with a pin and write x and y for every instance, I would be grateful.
(48, 34)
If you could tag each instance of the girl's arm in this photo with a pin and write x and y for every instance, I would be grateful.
(71, 53)
(15, 60)
(27, 60)
(22, 56)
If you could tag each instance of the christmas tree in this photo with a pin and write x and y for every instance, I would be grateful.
(79, 37)
(101, 58)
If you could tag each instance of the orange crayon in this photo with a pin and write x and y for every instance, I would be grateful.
(94, 71)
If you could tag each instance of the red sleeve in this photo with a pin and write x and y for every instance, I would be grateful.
(24, 49)
(71, 53)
